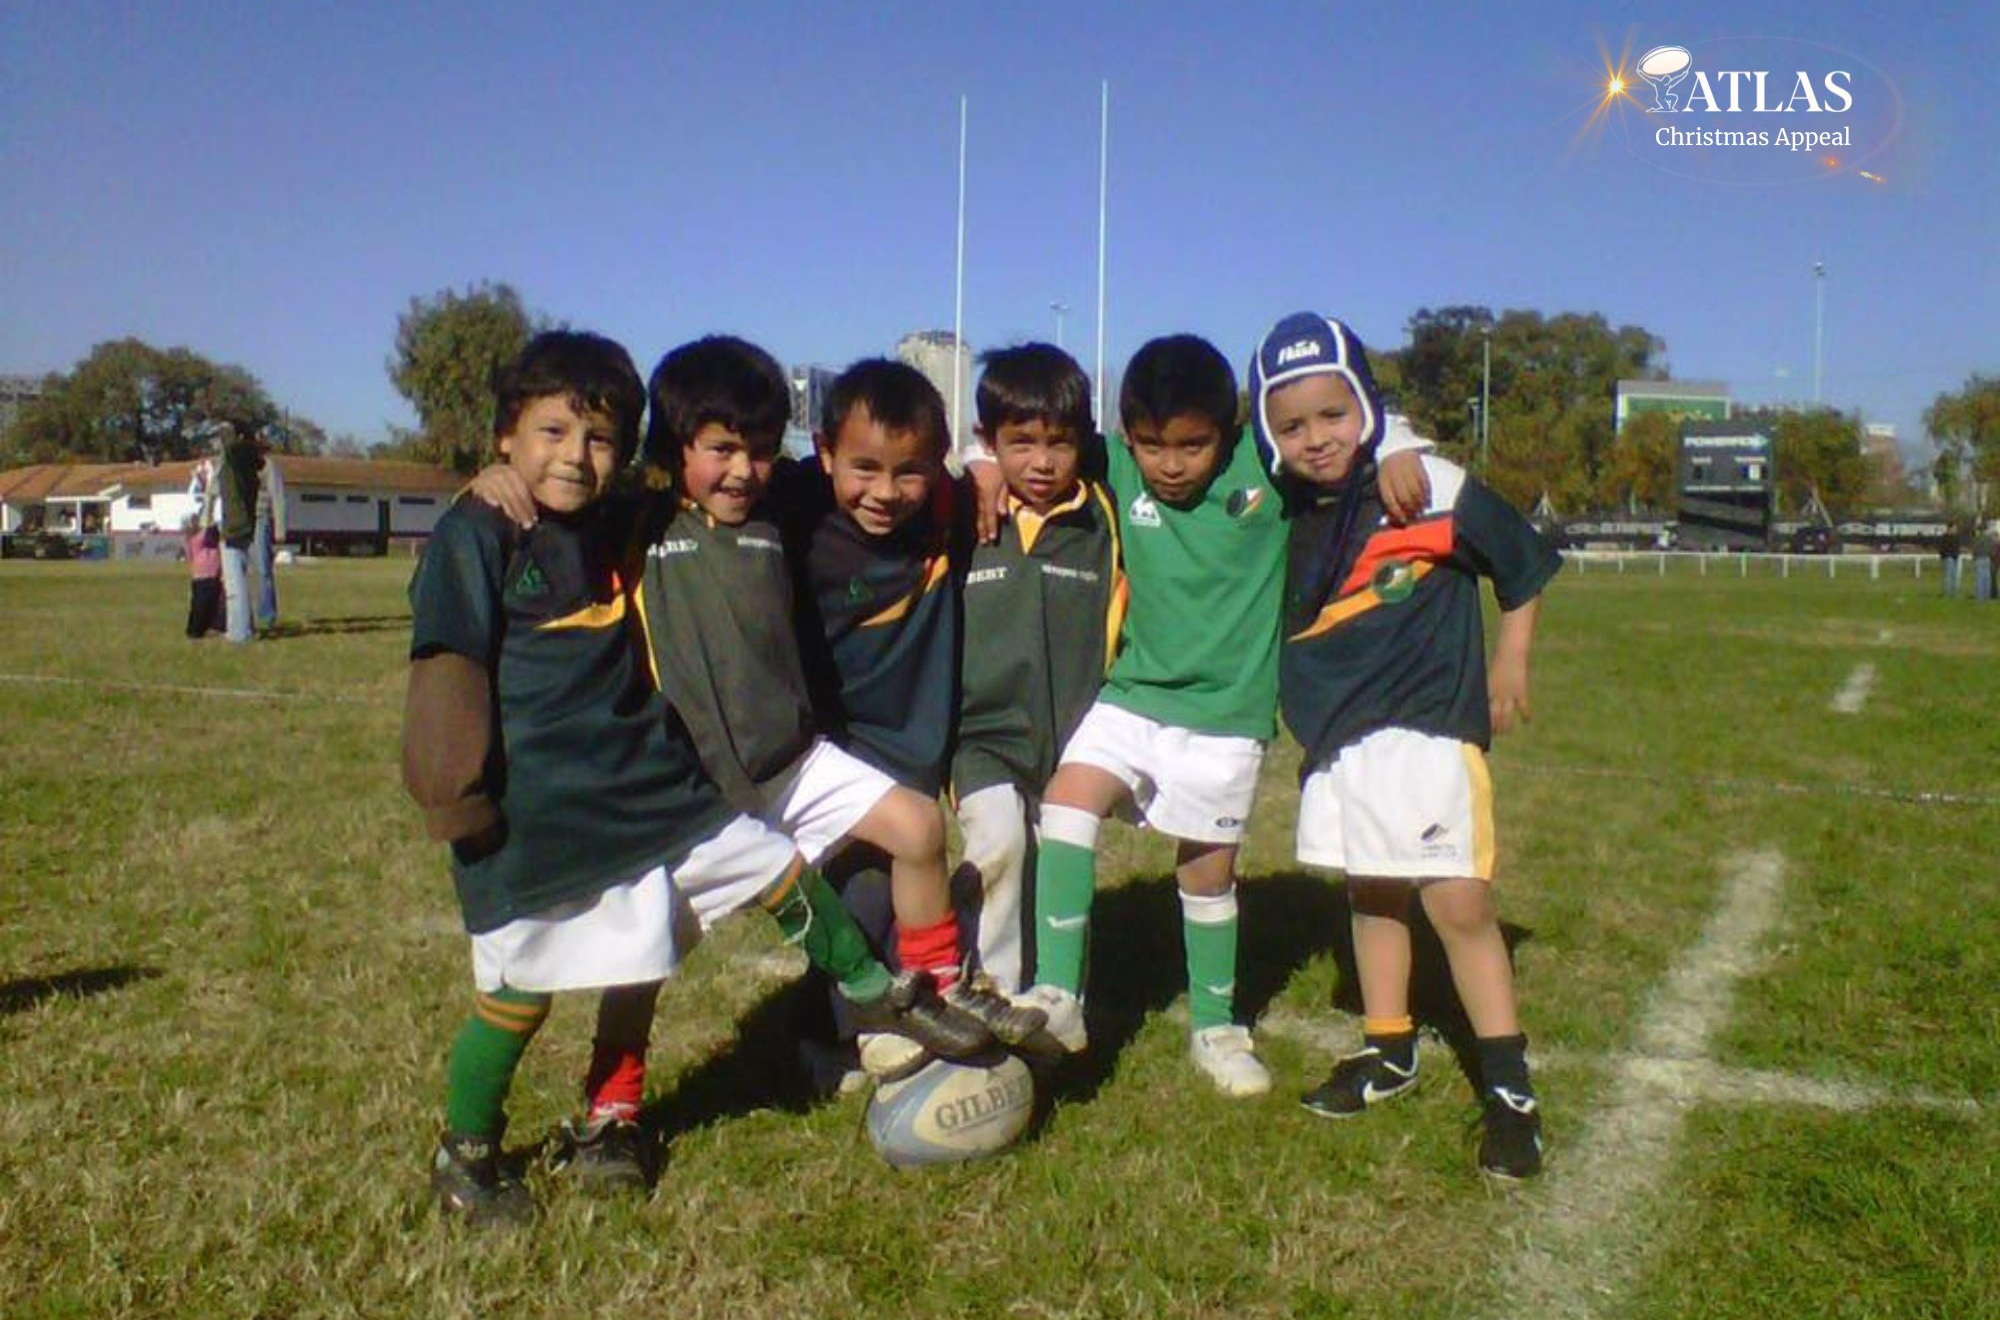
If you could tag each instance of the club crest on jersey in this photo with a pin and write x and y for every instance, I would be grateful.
(1243, 503)
(1394, 581)
(1298, 349)
(1143, 512)
(531, 583)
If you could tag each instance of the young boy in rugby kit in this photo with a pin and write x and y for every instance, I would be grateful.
(1180, 726)
(878, 546)
(1042, 606)
(1385, 683)
(588, 848)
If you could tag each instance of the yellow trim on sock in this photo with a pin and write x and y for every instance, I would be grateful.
(1396, 1026)
(774, 897)
(521, 1019)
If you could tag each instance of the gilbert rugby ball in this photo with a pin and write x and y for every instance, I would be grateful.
(948, 1112)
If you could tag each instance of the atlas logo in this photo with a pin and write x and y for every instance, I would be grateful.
(1665, 68)
(1297, 350)
(1143, 512)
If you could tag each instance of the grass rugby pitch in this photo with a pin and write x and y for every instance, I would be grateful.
(1757, 938)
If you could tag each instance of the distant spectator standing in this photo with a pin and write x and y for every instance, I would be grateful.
(229, 502)
(1986, 562)
(1948, 549)
(267, 533)
(204, 556)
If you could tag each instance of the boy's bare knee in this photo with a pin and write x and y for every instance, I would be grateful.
(1460, 907)
(906, 825)
(1086, 788)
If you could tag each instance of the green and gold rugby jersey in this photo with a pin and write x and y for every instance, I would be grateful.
(595, 777)
(1401, 641)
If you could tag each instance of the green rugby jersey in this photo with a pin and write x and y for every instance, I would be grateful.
(1042, 609)
(595, 780)
(1207, 584)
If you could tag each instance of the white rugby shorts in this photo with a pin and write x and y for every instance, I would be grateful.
(1400, 804)
(638, 930)
(822, 798)
(1197, 786)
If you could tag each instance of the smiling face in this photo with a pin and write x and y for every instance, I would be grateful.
(724, 473)
(881, 478)
(1317, 424)
(1038, 461)
(1179, 459)
(566, 456)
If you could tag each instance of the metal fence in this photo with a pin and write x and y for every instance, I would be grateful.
(1744, 564)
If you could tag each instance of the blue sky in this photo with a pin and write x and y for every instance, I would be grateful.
(271, 184)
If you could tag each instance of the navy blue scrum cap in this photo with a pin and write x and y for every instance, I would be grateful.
(1306, 344)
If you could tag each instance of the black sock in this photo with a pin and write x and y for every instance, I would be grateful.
(1397, 1047)
(1503, 1062)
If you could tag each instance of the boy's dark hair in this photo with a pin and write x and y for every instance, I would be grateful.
(1033, 383)
(594, 373)
(1176, 375)
(719, 379)
(896, 395)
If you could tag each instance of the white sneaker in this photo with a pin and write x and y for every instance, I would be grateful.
(1064, 1012)
(1226, 1055)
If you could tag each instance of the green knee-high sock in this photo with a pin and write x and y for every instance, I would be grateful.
(1208, 928)
(483, 1059)
(812, 916)
(1065, 883)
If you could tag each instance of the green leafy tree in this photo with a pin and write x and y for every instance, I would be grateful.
(1638, 468)
(448, 347)
(1816, 452)
(1554, 371)
(131, 402)
(1965, 427)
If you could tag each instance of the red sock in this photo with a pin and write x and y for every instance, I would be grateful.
(616, 1084)
(932, 949)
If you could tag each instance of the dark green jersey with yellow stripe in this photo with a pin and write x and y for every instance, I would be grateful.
(1042, 612)
(879, 630)
(594, 777)
(1401, 642)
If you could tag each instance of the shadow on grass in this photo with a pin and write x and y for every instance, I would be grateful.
(758, 1070)
(29, 992)
(358, 623)
(1137, 967)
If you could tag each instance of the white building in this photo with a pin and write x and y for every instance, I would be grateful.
(936, 353)
(331, 504)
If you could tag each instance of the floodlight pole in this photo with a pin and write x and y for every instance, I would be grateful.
(1060, 309)
(958, 289)
(1485, 390)
(1819, 322)
(1103, 163)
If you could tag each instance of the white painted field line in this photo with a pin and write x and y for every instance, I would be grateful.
(1853, 694)
(1709, 1082)
(1916, 796)
(1580, 1242)
(184, 690)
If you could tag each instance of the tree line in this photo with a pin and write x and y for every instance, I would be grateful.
(1551, 430)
